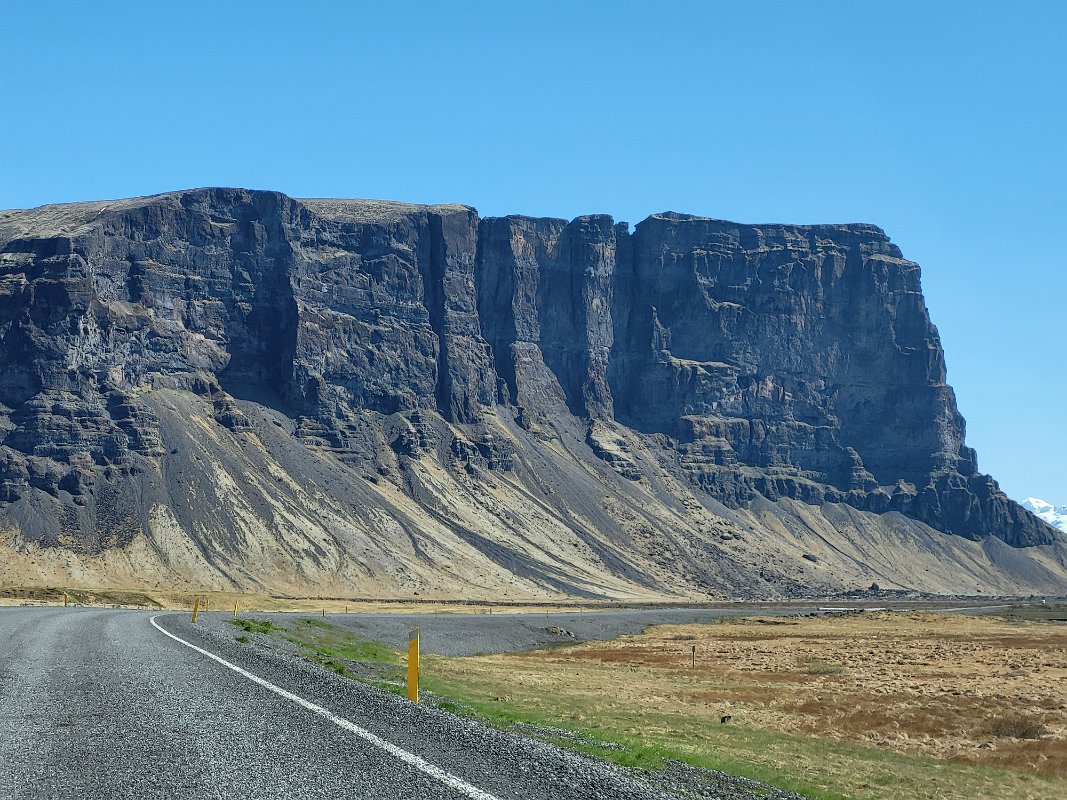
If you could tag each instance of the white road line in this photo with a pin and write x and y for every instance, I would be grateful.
(447, 778)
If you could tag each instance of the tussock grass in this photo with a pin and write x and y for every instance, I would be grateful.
(1018, 727)
(905, 713)
(817, 666)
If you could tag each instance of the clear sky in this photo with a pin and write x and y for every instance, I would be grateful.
(943, 122)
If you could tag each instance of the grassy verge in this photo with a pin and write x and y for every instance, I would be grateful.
(630, 702)
(502, 690)
(335, 649)
(643, 739)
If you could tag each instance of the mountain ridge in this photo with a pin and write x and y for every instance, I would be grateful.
(690, 363)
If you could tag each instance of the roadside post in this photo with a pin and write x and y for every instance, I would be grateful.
(413, 665)
(235, 607)
(694, 656)
(196, 608)
(64, 600)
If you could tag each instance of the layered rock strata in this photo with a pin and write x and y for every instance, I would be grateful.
(689, 361)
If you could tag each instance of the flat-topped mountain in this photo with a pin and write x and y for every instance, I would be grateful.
(232, 388)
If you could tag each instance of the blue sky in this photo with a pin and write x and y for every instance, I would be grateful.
(943, 122)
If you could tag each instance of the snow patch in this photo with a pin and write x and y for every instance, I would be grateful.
(1056, 516)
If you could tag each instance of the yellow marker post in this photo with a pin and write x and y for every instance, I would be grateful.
(235, 608)
(413, 665)
(196, 608)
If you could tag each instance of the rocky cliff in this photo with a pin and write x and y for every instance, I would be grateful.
(237, 388)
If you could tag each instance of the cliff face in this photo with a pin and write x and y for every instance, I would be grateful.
(727, 363)
(780, 360)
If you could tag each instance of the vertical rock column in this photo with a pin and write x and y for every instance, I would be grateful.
(466, 379)
(589, 251)
(545, 297)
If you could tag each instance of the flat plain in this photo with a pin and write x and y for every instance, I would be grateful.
(865, 705)
(869, 705)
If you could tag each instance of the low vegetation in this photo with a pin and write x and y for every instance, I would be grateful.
(54, 595)
(872, 706)
(262, 626)
(336, 649)
(869, 706)
(1018, 727)
(817, 666)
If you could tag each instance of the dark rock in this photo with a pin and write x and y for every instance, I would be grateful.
(770, 361)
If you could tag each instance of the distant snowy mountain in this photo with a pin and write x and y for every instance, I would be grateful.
(1056, 516)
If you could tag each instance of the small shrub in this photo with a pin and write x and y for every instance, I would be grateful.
(243, 639)
(817, 667)
(1018, 727)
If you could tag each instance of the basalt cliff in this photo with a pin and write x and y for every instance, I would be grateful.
(225, 388)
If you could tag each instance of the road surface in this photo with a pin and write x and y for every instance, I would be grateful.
(102, 703)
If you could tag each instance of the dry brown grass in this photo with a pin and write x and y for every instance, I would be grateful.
(874, 706)
(224, 601)
(968, 689)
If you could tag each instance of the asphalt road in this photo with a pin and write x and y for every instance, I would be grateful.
(100, 703)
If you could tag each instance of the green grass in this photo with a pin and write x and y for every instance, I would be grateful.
(818, 667)
(645, 751)
(264, 626)
(399, 689)
(336, 649)
(330, 642)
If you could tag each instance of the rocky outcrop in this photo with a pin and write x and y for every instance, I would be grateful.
(780, 361)
(740, 362)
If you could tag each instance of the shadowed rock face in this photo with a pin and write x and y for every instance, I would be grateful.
(738, 361)
(779, 360)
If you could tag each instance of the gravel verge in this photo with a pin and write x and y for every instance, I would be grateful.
(523, 761)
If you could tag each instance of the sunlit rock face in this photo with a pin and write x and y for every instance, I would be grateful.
(692, 360)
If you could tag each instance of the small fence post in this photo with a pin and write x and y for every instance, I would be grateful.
(413, 665)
